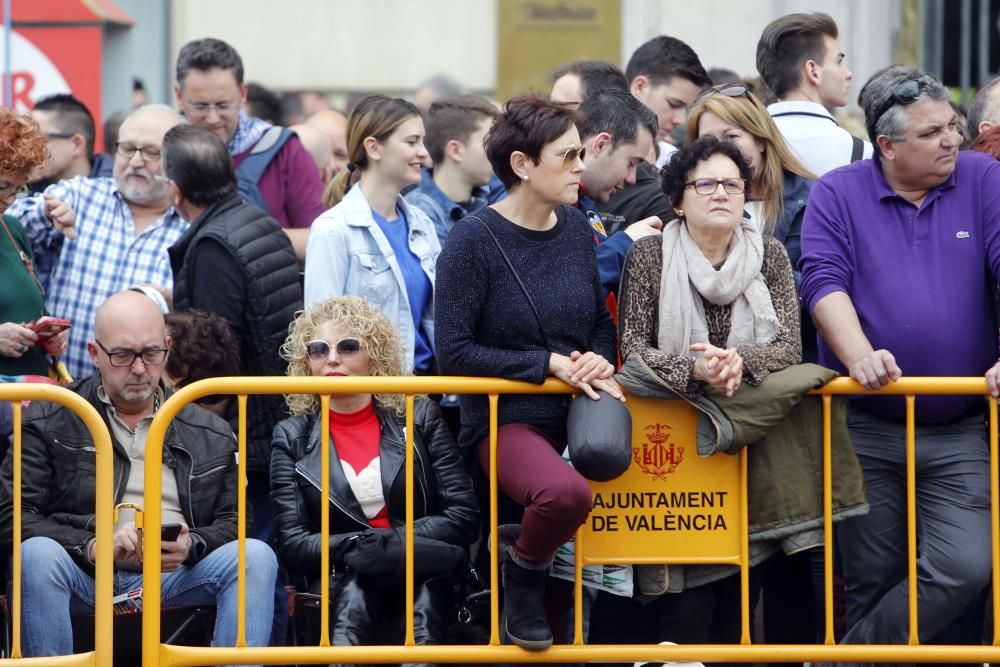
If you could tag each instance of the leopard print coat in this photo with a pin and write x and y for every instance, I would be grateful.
(638, 313)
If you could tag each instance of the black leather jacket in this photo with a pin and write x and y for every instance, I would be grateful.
(445, 506)
(58, 476)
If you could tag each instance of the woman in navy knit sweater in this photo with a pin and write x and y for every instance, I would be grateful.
(486, 325)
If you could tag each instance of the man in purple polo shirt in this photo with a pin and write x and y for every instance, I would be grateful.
(899, 258)
(211, 94)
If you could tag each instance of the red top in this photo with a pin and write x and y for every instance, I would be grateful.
(356, 436)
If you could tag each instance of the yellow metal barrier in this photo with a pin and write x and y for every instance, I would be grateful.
(155, 653)
(101, 656)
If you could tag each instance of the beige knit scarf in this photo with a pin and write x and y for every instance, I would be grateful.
(688, 276)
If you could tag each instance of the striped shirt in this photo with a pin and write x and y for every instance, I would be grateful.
(106, 256)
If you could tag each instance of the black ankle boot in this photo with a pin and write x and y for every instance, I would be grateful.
(524, 605)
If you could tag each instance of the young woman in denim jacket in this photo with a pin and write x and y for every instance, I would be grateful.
(371, 243)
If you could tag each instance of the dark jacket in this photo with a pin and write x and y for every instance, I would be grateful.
(58, 476)
(444, 504)
(235, 261)
(774, 420)
(788, 231)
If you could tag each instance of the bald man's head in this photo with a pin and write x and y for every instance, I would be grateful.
(315, 141)
(127, 324)
(334, 125)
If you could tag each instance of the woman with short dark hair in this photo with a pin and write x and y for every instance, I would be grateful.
(519, 297)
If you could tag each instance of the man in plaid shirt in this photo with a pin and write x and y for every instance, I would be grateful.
(117, 230)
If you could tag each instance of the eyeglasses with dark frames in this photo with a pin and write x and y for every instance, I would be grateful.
(148, 153)
(13, 190)
(151, 356)
(726, 89)
(708, 186)
(569, 156)
(319, 350)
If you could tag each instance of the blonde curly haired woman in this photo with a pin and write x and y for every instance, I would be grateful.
(346, 336)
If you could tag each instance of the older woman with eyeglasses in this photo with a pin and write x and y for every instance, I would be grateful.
(713, 302)
(22, 349)
(343, 337)
(519, 297)
(779, 185)
(710, 310)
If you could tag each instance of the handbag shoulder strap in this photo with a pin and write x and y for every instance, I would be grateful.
(25, 260)
(510, 265)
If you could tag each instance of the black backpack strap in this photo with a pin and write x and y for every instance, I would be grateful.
(857, 149)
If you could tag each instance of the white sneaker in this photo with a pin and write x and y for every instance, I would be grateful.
(677, 664)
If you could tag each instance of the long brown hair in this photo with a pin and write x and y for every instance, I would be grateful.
(747, 113)
(375, 116)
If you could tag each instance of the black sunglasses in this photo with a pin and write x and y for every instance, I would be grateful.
(904, 94)
(319, 350)
(727, 89)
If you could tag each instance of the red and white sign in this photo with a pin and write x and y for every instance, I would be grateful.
(33, 74)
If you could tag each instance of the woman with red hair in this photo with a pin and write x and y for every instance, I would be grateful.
(23, 148)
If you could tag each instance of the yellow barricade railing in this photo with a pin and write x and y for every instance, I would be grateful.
(102, 655)
(155, 653)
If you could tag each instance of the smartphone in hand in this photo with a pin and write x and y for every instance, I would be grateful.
(46, 326)
(169, 532)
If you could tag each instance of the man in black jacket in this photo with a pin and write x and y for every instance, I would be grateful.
(199, 485)
(235, 262)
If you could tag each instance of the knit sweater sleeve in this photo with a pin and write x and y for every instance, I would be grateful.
(786, 348)
(638, 317)
(462, 285)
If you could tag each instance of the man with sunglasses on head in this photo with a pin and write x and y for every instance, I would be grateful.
(276, 171)
(199, 481)
(114, 231)
(900, 255)
(800, 59)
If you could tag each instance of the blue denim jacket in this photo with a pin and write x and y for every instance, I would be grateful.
(439, 207)
(348, 254)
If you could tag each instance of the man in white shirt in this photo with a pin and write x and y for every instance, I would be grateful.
(800, 59)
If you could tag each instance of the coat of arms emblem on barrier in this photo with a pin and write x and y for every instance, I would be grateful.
(658, 457)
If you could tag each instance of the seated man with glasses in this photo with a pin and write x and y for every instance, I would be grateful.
(199, 483)
(114, 231)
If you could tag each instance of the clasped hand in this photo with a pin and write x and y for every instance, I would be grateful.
(587, 371)
(722, 369)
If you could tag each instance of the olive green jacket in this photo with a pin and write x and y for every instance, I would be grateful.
(783, 427)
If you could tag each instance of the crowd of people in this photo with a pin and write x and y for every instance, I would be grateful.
(652, 231)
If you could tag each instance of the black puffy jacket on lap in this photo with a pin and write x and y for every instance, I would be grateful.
(444, 504)
(59, 476)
